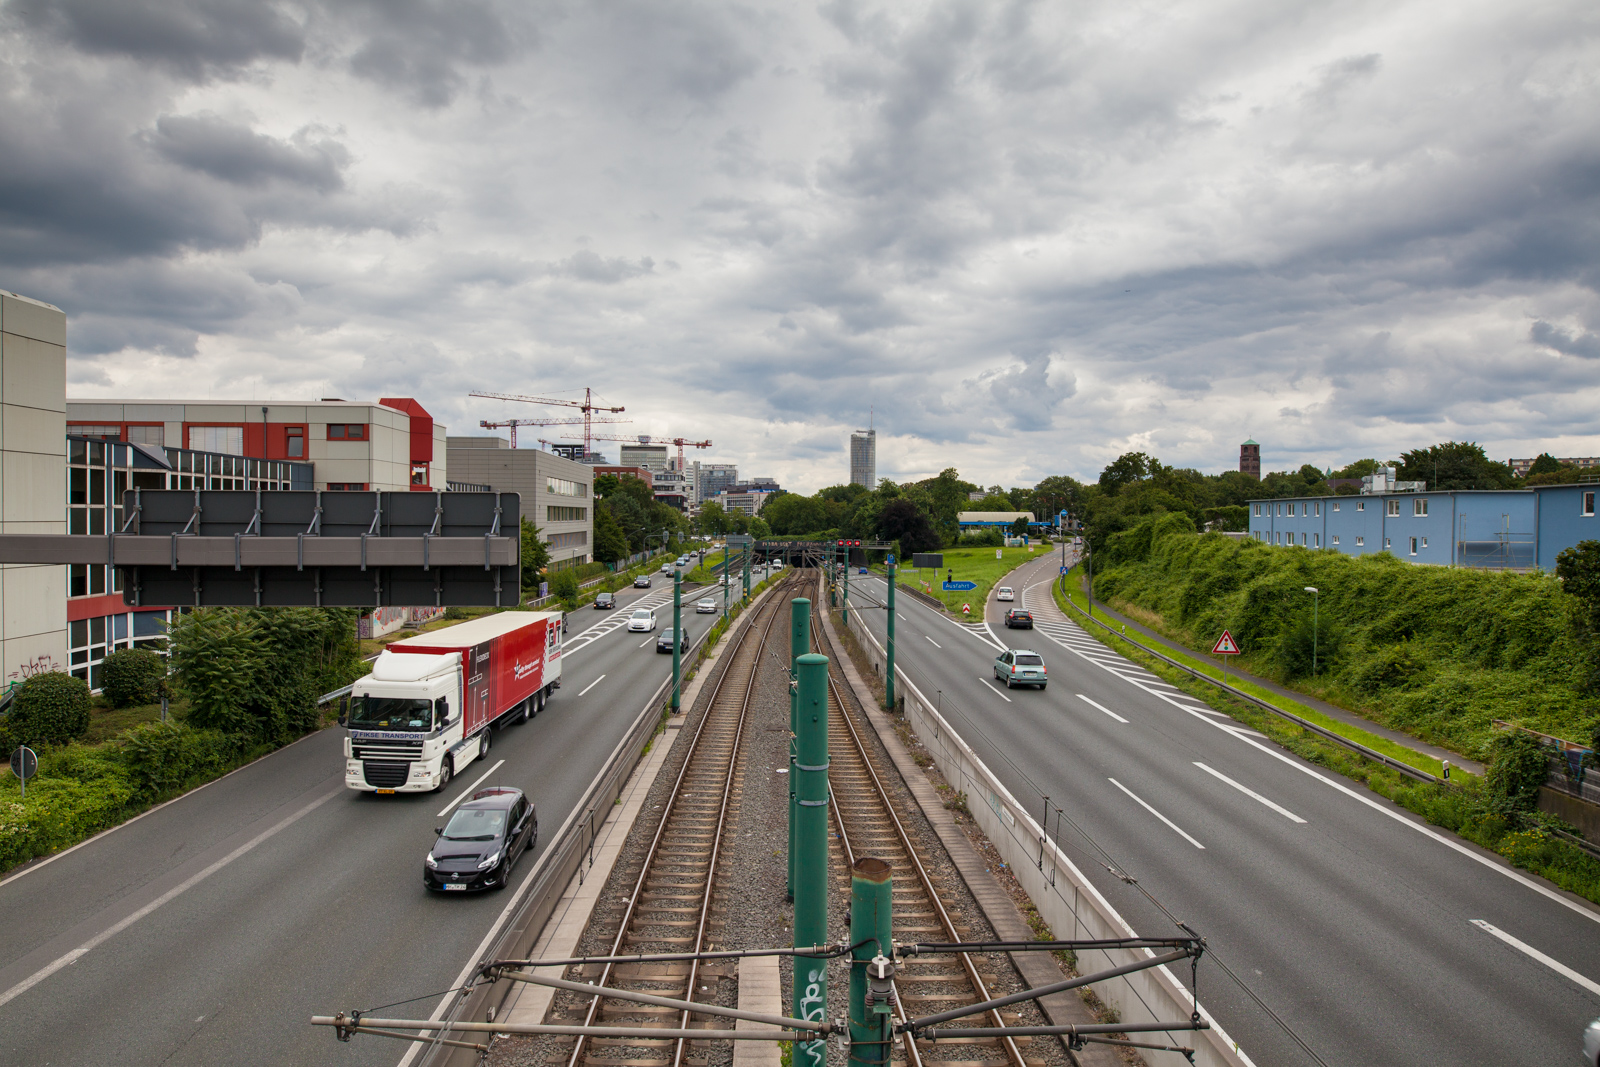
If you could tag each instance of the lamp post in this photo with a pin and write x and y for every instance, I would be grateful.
(1315, 598)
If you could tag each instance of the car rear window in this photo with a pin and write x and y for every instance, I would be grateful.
(1030, 661)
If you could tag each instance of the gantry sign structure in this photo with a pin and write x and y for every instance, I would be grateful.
(179, 548)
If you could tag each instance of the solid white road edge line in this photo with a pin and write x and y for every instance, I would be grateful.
(1156, 813)
(1102, 707)
(991, 685)
(1251, 793)
(467, 790)
(591, 685)
(188, 883)
(1555, 965)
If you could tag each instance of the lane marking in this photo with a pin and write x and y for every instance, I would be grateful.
(932, 642)
(1102, 707)
(591, 685)
(467, 790)
(1555, 965)
(1251, 793)
(647, 641)
(991, 685)
(188, 883)
(1156, 813)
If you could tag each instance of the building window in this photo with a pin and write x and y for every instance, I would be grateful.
(294, 442)
(1319, 509)
(1258, 511)
(576, 539)
(1388, 543)
(1392, 507)
(1302, 538)
(555, 514)
(347, 431)
(1413, 546)
(419, 474)
(1334, 539)
(1280, 510)
(348, 487)
(1316, 540)
(1424, 542)
(1588, 503)
(226, 439)
(1419, 508)
(1335, 505)
(565, 487)
(146, 435)
(1361, 505)
(1360, 541)
(105, 433)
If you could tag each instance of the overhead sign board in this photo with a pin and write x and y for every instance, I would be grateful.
(1225, 646)
(934, 560)
(740, 539)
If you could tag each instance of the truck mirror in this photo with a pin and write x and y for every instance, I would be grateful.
(344, 710)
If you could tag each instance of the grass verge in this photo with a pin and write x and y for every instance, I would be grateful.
(968, 565)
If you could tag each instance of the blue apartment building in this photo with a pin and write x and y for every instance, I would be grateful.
(1565, 517)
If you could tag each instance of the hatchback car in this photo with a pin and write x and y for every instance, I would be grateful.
(478, 846)
(664, 642)
(707, 606)
(1020, 667)
(666, 568)
(862, 570)
(642, 582)
(605, 601)
(1019, 619)
(642, 621)
(1005, 592)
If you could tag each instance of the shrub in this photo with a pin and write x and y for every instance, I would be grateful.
(564, 585)
(133, 676)
(49, 709)
(162, 755)
(1518, 765)
(1310, 646)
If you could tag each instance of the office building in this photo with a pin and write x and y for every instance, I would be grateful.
(386, 446)
(651, 457)
(1250, 459)
(747, 499)
(864, 458)
(710, 479)
(556, 492)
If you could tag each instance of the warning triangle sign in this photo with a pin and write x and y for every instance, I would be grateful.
(1225, 646)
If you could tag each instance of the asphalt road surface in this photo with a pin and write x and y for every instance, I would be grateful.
(210, 930)
(1374, 938)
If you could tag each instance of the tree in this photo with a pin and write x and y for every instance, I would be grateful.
(1125, 470)
(49, 709)
(1546, 464)
(992, 502)
(131, 676)
(535, 554)
(901, 520)
(713, 518)
(1019, 528)
(610, 543)
(794, 514)
(758, 528)
(1455, 465)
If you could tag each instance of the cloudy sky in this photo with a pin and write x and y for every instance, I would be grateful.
(1028, 236)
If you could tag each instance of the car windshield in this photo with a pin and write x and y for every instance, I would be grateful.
(1030, 661)
(666, 635)
(391, 713)
(642, 613)
(475, 824)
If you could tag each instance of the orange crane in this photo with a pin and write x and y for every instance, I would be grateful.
(645, 439)
(514, 423)
(586, 405)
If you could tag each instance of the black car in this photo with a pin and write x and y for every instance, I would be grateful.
(477, 847)
(642, 582)
(664, 642)
(605, 601)
(1018, 619)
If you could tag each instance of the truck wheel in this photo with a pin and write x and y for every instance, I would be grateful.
(527, 711)
(483, 744)
(447, 771)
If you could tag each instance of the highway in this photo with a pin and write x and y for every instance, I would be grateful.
(210, 930)
(1347, 918)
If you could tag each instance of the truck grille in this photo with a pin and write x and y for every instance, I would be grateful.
(385, 774)
(403, 750)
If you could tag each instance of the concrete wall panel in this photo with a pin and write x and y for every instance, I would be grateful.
(23, 657)
(26, 317)
(32, 430)
(33, 491)
(34, 601)
(33, 373)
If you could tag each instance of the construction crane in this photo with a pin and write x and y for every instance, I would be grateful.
(514, 423)
(646, 439)
(586, 405)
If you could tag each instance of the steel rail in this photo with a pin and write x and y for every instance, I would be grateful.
(668, 806)
(1013, 1053)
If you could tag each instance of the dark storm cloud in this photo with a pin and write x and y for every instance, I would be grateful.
(1567, 342)
(419, 48)
(240, 156)
(195, 38)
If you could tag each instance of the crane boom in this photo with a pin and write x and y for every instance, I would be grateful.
(586, 405)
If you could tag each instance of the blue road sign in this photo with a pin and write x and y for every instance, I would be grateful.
(889, 559)
(959, 587)
(1065, 569)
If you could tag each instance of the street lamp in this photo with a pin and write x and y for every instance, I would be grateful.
(1315, 598)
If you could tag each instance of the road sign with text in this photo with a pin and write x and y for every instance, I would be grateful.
(959, 587)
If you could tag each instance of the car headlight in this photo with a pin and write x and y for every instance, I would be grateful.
(433, 864)
(489, 861)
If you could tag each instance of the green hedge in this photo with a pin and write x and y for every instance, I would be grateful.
(1436, 651)
(48, 709)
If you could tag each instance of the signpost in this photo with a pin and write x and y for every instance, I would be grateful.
(1226, 646)
(24, 764)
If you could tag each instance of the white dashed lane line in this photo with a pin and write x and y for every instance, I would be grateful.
(1251, 793)
(1175, 828)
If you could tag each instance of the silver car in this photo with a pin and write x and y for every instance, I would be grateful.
(1591, 1045)
(642, 621)
(1020, 666)
(706, 606)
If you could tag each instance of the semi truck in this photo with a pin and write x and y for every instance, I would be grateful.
(432, 701)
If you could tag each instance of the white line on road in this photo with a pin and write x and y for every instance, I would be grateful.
(997, 692)
(647, 641)
(591, 685)
(469, 789)
(1251, 793)
(932, 642)
(901, 617)
(1156, 813)
(1102, 707)
(1555, 965)
(193, 880)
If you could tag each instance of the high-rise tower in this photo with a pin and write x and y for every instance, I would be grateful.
(864, 458)
(1250, 459)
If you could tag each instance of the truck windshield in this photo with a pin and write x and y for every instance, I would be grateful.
(391, 713)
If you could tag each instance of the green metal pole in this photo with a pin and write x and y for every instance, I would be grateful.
(749, 550)
(799, 644)
(844, 600)
(677, 636)
(871, 911)
(810, 988)
(724, 580)
(888, 674)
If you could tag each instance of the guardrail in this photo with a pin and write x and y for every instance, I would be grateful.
(1067, 901)
(1354, 746)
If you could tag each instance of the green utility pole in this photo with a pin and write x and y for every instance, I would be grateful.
(888, 673)
(833, 582)
(871, 911)
(749, 550)
(677, 636)
(724, 579)
(799, 643)
(844, 600)
(810, 988)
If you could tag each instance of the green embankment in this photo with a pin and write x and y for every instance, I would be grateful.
(968, 565)
(1436, 652)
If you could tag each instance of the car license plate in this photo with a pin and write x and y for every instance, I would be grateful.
(455, 885)
(390, 791)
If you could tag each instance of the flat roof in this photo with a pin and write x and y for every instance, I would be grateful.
(1407, 493)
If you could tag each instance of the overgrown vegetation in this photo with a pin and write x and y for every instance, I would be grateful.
(1438, 652)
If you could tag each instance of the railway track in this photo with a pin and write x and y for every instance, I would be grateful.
(673, 904)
